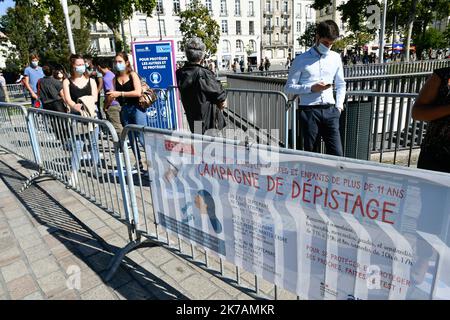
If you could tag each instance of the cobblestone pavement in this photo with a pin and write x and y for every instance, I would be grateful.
(49, 235)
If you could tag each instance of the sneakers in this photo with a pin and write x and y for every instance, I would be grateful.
(73, 180)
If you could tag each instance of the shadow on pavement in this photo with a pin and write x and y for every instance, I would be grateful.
(131, 281)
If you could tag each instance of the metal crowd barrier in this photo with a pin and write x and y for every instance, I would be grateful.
(15, 131)
(261, 114)
(372, 69)
(148, 233)
(373, 123)
(375, 69)
(17, 91)
(82, 153)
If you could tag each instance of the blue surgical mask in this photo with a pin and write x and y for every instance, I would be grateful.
(323, 49)
(120, 67)
(35, 63)
(80, 69)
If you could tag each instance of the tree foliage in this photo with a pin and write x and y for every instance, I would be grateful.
(432, 38)
(309, 37)
(412, 16)
(38, 27)
(197, 22)
(113, 12)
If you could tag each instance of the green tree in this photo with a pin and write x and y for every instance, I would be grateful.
(360, 39)
(43, 33)
(309, 37)
(113, 12)
(432, 38)
(26, 37)
(408, 13)
(197, 22)
(447, 36)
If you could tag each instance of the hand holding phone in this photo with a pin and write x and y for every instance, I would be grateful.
(320, 86)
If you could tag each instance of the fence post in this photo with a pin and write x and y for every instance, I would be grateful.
(294, 122)
(122, 155)
(33, 134)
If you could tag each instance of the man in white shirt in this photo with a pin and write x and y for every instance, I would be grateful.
(312, 76)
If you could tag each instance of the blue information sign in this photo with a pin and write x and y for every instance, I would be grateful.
(155, 62)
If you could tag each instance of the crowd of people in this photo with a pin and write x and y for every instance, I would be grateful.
(77, 92)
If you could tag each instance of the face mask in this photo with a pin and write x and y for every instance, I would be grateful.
(323, 49)
(120, 67)
(80, 69)
(35, 63)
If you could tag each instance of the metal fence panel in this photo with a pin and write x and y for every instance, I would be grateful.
(83, 153)
(15, 132)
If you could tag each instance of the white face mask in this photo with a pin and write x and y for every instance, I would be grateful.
(323, 49)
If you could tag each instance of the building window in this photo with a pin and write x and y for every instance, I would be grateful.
(209, 5)
(251, 28)
(277, 37)
(268, 6)
(270, 39)
(252, 45)
(224, 27)
(163, 27)
(176, 6)
(223, 7)
(238, 28)
(159, 7)
(179, 46)
(308, 12)
(277, 23)
(278, 5)
(286, 38)
(239, 45)
(285, 22)
(237, 8)
(268, 22)
(112, 45)
(142, 24)
(299, 26)
(285, 6)
(177, 27)
(251, 9)
(95, 45)
(226, 46)
(299, 11)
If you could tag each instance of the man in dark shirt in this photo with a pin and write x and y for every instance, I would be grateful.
(50, 91)
(202, 95)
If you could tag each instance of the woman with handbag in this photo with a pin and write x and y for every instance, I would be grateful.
(77, 87)
(127, 92)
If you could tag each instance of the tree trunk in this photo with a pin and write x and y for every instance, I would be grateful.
(412, 18)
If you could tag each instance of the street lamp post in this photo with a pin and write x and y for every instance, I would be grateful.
(68, 27)
(382, 32)
(159, 24)
(393, 36)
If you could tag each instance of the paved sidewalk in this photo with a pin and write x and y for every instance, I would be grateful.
(48, 233)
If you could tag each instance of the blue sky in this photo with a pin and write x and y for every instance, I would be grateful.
(5, 5)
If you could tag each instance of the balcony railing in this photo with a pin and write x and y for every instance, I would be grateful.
(268, 29)
(268, 13)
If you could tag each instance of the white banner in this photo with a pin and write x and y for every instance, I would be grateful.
(320, 226)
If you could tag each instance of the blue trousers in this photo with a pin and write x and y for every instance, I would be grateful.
(77, 149)
(131, 115)
(318, 122)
